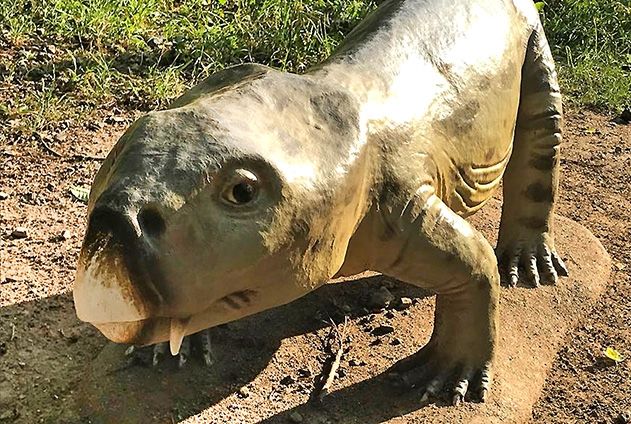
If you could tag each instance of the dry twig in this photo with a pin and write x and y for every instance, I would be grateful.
(48, 148)
(335, 364)
(79, 156)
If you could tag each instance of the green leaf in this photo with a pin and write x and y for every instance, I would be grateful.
(539, 6)
(80, 193)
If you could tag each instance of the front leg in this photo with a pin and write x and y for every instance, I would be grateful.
(436, 249)
(525, 239)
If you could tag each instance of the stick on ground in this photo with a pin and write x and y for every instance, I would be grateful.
(335, 365)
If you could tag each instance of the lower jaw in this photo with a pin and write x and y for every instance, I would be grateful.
(142, 332)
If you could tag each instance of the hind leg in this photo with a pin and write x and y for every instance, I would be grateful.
(530, 183)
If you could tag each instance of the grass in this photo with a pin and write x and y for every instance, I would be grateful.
(591, 41)
(64, 59)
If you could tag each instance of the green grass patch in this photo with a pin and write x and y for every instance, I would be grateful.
(61, 59)
(591, 41)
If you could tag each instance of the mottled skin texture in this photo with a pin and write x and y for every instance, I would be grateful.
(257, 186)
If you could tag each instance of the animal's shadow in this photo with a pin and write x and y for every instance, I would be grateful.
(113, 392)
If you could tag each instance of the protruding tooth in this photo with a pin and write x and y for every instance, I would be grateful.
(178, 331)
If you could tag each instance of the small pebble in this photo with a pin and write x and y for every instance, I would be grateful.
(65, 235)
(3, 195)
(403, 303)
(295, 417)
(19, 233)
(244, 392)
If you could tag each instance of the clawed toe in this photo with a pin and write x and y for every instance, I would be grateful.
(158, 351)
(536, 265)
(472, 382)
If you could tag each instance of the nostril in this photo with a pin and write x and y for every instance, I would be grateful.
(151, 222)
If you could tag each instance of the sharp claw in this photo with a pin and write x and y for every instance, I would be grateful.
(559, 265)
(159, 349)
(185, 351)
(485, 382)
(548, 266)
(130, 350)
(513, 267)
(457, 399)
(207, 353)
(514, 278)
(425, 398)
(533, 273)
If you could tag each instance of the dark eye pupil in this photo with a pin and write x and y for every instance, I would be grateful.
(243, 192)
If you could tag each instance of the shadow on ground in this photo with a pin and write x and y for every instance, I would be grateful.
(112, 391)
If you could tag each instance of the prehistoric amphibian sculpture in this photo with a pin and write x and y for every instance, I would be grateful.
(257, 186)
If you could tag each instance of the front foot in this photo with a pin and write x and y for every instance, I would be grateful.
(429, 370)
(157, 353)
(529, 256)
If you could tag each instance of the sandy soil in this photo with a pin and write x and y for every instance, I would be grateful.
(45, 352)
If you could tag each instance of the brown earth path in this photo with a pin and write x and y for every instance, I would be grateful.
(44, 349)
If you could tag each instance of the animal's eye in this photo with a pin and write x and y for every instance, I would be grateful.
(242, 188)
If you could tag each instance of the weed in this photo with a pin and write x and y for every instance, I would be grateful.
(75, 55)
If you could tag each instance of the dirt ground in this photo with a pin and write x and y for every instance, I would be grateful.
(45, 352)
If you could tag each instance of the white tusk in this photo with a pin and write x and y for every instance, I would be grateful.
(177, 334)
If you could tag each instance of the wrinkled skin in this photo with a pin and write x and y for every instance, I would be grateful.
(257, 186)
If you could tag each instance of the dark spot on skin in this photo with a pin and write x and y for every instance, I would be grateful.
(534, 223)
(485, 83)
(543, 162)
(244, 295)
(300, 228)
(338, 111)
(507, 78)
(462, 118)
(539, 193)
(490, 154)
(231, 302)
